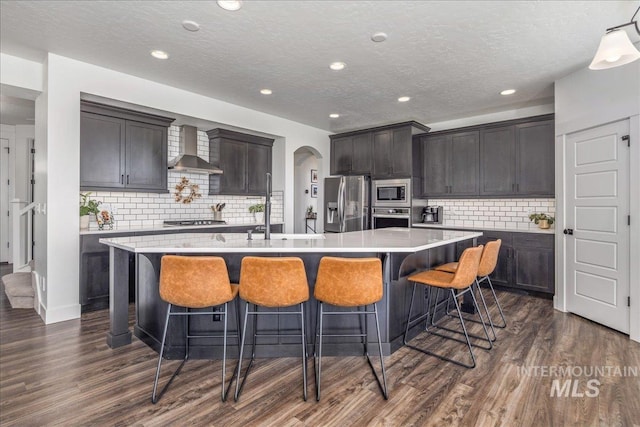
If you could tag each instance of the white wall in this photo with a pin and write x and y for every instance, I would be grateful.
(587, 99)
(305, 160)
(58, 158)
(21, 73)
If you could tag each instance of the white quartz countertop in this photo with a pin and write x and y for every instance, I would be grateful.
(509, 230)
(161, 227)
(380, 240)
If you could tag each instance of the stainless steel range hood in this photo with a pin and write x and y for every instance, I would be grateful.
(187, 159)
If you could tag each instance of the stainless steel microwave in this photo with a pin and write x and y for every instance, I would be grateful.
(391, 193)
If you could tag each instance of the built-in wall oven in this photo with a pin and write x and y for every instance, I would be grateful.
(391, 217)
(391, 201)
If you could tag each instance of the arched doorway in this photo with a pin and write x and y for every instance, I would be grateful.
(307, 194)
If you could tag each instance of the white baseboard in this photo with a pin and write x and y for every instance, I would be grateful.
(60, 314)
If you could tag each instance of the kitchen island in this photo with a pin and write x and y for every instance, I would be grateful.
(403, 251)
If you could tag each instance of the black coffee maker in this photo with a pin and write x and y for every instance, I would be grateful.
(432, 215)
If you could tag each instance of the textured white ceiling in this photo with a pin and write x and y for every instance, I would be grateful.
(452, 57)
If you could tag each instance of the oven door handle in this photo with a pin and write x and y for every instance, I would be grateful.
(391, 216)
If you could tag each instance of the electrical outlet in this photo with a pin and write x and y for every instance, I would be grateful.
(215, 317)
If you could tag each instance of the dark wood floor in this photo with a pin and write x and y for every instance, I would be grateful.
(64, 374)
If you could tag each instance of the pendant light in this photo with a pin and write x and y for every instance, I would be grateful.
(615, 47)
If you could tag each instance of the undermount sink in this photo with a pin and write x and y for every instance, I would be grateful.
(284, 236)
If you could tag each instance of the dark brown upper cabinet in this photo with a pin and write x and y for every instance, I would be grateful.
(518, 160)
(122, 149)
(450, 164)
(382, 152)
(506, 159)
(392, 153)
(244, 159)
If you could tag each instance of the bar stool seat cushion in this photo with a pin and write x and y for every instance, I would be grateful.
(450, 267)
(273, 281)
(488, 260)
(195, 282)
(363, 276)
(441, 279)
(464, 276)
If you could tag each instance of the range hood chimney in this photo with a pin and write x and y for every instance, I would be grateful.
(187, 159)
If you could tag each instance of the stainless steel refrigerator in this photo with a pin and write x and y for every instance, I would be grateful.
(347, 202)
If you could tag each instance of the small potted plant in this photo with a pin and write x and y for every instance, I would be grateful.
(542, 220)
(310, 213)
(87, 207)
(258, 212)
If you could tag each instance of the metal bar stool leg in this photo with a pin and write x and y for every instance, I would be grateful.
(484, 326)
(319, 370)
(384, 374)
(304, 353)
(244, 334)
(504, 321)
(486, 309)
(406, 330)
(155, 397)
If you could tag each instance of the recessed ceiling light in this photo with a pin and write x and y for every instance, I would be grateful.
(403, 99)
(190, 25)
(379, 37)
(508, 92)
(230, 4)
(266, 91)
(337, 66)
(334, 115)
(159, 54)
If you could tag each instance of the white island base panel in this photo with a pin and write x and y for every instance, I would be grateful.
(403, 251)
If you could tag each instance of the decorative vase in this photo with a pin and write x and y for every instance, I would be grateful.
(84, 222)
(543, 223)
(259, 217)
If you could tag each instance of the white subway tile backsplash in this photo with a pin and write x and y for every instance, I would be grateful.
(144, 209)
(493, 213)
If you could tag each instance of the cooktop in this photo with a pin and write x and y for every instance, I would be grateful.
(184, 222)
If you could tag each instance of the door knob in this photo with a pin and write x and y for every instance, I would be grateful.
(568, 231)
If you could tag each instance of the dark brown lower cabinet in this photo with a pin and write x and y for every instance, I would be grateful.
(526, 260)
(94, 262)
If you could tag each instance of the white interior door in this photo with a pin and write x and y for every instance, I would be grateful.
(597, 197)
(5, 252)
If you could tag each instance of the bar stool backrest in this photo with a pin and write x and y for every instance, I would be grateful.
(194, 281)
(273, 281)
(467, 270)
(489, 258)
(349, 282)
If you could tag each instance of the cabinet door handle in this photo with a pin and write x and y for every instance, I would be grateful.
(513, 187)
(127, 178)
(122, 179)
(518, 188)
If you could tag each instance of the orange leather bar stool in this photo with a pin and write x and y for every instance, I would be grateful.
(349, 282)
(272, 283)
(488, 263)
(460, 281)
(195, 282)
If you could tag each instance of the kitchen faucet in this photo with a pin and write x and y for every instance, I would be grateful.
(267, 210)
